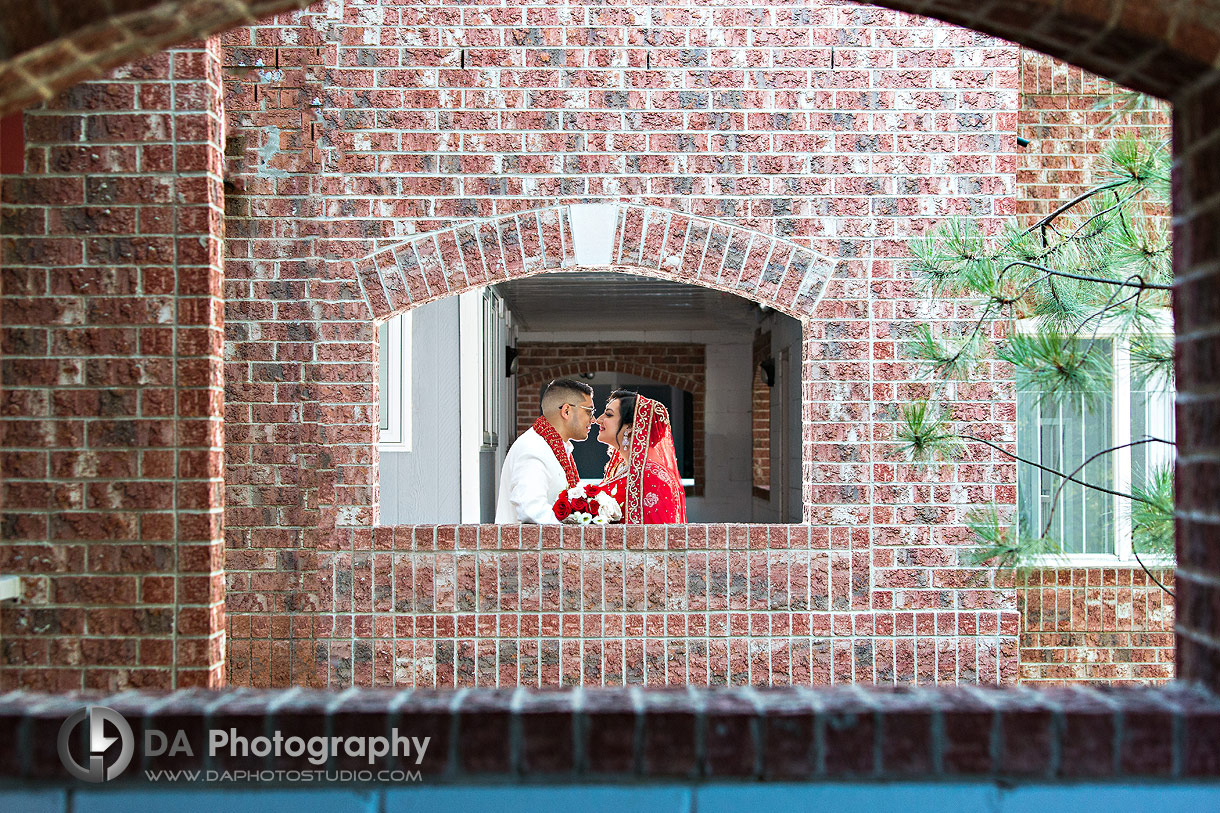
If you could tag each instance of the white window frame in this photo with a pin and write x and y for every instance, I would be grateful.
(397, 436)
(1123, 555)
(493, 365)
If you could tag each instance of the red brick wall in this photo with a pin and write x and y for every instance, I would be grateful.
(430, 116)
(1097, 624)
(1067, 130)
(112, 338)
(303, 203)
(651, 605)
(1107, 625)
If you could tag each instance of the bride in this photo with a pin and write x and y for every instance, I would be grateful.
(643, 470)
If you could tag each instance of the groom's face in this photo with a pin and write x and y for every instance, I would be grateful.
(579, 419)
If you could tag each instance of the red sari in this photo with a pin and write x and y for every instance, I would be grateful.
(647, 484)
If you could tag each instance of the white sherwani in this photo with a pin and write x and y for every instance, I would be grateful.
(530, 481)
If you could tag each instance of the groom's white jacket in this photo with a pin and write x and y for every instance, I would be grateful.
(530, 481)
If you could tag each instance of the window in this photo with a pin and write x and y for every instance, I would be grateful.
(1090, 523)
(394, 377)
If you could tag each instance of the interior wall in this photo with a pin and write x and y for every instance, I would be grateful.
(424, 484)
(786, 435)
(726, 421)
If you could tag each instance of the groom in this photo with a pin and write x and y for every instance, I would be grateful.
(539, 465)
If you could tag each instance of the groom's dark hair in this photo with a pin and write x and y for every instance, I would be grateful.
(563, 391)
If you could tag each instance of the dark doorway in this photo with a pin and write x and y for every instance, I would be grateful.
(591, 456)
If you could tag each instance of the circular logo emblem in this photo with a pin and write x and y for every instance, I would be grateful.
(96, 719)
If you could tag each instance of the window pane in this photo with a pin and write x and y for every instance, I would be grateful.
(1151, 416)
(1097, 514)
(1061, 438)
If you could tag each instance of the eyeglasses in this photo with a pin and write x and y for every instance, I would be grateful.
(590, 410)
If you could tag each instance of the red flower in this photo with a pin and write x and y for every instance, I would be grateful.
(562, 507)
(579, 504)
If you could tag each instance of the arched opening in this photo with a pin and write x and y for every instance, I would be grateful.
(665, 266)
(460, 379)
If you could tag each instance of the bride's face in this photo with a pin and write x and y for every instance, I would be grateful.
(609, 424)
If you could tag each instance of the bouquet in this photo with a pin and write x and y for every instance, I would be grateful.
(587, 505)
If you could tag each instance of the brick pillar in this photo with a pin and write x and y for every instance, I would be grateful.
(1197, 324)
(110, 428)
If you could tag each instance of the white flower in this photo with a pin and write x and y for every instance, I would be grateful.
(576, 491)
(608, 507)
(582, 518)
(600, 519)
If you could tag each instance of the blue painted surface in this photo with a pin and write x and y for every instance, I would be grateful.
(216, 800)
(848, 798)
(582, 798)
(1199, 798)
(839, 797)
(33, 801)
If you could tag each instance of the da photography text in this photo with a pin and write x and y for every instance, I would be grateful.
(106, 746)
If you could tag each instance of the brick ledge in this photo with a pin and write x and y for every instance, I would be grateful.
(686, 734)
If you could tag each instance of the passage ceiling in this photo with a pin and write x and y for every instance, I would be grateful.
(609, 300)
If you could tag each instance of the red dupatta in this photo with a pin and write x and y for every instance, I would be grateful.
(652, 441)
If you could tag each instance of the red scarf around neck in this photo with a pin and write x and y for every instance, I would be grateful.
(543, 427)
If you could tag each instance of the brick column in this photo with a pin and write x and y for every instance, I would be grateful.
(110, 431)
(1196, 141)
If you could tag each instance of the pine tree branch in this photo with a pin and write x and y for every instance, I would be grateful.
(1109, 306)
(1057, 473)
(1118, 202)
(1149, 572)
(1081, 278)
(1081, 198)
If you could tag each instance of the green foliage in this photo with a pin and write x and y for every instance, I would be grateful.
(926, 435)
(1052, 300)
(952, 359)
(1060, 367)
(1152, 360)
(1008, 547)
(1152, 515)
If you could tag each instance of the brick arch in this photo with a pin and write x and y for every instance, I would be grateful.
(689, 383)
(646, 240)
(57, 43)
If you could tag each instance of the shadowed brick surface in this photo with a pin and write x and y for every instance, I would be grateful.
(633, 734)
(112, 343)
(49, 46)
